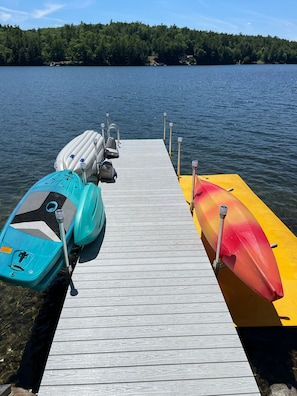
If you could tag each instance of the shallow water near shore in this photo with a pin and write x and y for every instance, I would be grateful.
(28, 322)
(233, 119)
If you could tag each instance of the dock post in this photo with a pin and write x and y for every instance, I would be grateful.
(95, 141)
(83, 172)
(216, 263)
(164, 135)
(102, 132)
(107, 120)
(179, 141)
(170, 139)
(194, 170)
(59, 213)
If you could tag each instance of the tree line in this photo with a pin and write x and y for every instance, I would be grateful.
(137, 44)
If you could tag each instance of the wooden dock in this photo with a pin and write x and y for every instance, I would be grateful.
(149, 318)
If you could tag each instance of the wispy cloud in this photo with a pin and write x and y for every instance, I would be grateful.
(47, 10)
(8, 15)
(5, 16)
(203, 22)
(10, 11)
(16, 17)
(265, 24)
(216, 24)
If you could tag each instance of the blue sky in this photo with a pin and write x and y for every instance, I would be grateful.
(252, 17)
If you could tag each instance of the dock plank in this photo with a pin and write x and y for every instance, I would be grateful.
(149, 318)
(144, 358)
(203, 387)
(117, 345)
(150, 373)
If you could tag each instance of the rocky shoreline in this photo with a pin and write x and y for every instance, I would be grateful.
(28, 321)
(10, 390)
(20, 392)
(19, 308)
(274, 390)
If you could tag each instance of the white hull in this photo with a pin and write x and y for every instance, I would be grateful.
(87, 147)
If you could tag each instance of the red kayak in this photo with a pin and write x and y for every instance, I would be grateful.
(245, 249)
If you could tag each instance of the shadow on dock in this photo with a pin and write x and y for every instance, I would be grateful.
(91, 251)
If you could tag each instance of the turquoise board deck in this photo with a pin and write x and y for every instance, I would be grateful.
(30, 244)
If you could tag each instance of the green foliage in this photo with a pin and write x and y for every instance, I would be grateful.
(136, 44)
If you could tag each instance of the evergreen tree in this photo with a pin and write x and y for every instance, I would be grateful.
(137, 44)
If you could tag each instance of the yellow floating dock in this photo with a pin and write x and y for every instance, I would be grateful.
(247, 308)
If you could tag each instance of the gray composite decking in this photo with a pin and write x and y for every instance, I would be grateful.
(149, 318)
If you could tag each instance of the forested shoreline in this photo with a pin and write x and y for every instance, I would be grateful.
(137, 44)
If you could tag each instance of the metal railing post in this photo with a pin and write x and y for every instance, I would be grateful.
(102, 132)
(179, 142)
(170, 139)
(194, 170)
(59, 213)
(107, 120)
(164, 135)
(216, 263)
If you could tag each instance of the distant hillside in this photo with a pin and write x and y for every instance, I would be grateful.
(136, 44)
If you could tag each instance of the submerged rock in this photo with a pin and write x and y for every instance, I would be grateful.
(282, 390)
(20, 392)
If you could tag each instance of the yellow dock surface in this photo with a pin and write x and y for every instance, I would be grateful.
(247, 308)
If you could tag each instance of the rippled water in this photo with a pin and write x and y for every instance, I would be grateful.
(233, 119)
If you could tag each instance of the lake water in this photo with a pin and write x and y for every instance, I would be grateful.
(233, 119)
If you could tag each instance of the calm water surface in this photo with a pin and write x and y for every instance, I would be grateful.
(233, 119)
